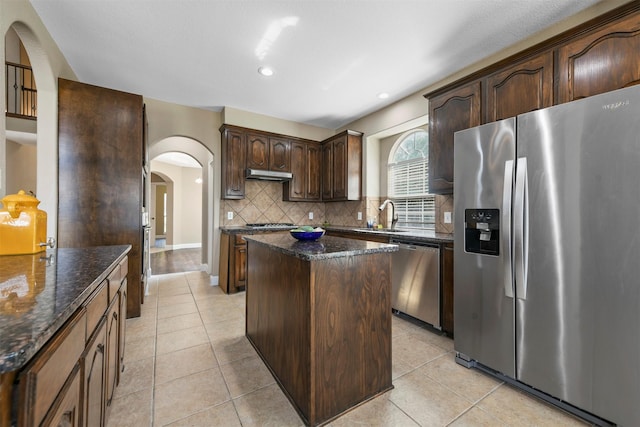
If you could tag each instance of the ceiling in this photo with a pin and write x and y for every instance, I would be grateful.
(331, 58)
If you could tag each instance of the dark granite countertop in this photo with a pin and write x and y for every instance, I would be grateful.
(241, 229)
(38, 294)
(405, 234)
(410, 234)
(324, 248)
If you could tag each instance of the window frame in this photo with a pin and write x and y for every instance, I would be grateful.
(413, 203)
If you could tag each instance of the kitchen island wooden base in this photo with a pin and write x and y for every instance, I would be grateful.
(322, 326)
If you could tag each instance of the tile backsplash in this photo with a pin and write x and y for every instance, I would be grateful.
(263, 203)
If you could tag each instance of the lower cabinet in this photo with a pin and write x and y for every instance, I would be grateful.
(123, 324)
(112, 351)
(233, 263)
(72, 380)
(67, 413)
(94, 378)
(446, 279)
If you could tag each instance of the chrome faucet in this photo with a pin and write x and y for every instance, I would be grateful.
(394, 217)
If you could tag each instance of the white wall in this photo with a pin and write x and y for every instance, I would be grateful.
(21, 168)
(48, 64)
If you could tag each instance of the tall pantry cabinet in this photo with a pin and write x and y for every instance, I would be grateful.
(100, 158)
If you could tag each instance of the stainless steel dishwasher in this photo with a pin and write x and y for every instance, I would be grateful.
(415, 274)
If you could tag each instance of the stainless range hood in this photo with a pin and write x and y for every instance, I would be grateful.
(266, 175)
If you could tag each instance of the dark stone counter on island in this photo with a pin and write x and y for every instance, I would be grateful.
(324, 248)
(38, 294)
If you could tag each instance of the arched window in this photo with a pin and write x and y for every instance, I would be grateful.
(408, 181)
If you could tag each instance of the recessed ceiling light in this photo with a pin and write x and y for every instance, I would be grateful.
(265, 71)
(383, 95)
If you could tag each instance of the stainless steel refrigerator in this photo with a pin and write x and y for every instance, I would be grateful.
(547, 253)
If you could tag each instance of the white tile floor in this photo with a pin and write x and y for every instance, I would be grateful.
(189, 364)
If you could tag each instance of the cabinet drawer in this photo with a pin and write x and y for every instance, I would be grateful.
(116, 277)
(43, 380)
(96, 308)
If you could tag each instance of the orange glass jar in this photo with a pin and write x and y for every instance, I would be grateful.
(23, 227)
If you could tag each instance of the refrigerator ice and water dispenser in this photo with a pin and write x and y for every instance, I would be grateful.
(482, 231)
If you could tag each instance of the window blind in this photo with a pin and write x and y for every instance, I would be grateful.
(408, 187)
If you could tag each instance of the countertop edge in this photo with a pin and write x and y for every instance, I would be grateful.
(305, 248)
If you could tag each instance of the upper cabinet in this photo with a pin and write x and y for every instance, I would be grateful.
(342, 167)
(598, 56)
(448, 113)
(233, 162)
(603, 60)
(244, 148)
(520, 88)
(268, 152)
(306, 166)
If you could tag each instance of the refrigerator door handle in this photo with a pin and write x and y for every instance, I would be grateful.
(521, 228)
(505, 225)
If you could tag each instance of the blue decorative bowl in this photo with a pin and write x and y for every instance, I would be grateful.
(307, 235)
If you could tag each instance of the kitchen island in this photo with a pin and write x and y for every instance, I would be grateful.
(56, 308)
(319, 315)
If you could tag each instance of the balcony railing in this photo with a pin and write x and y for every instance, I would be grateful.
(22, 96)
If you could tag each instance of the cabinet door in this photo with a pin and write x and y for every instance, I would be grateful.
(257, 151)
(447, 288)
(448, 113)
(94, 379)
(279, 155)
(314, 170)
(112, 356)
(99, 162)
(240, 267)
(601, 61)
(295, 188)
(123, 326)
(327, 171)
(66, 412)
(520, 88)
(234, 153)
(340, 168)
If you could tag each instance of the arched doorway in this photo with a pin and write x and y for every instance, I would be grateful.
(196, 150)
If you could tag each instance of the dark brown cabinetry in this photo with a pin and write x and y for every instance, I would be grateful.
(234, 154)
(94, 378)
(448, 113)
(446, 268)
(71, 381)
(268, 152)
(600, 61)
(598, 56)
(100, 136)
(244, 148)
(342, 167)
(233, 263)
(306, 167)
(67, 414)
(523, 87)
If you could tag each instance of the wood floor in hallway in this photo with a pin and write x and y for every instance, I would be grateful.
(176, 261)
